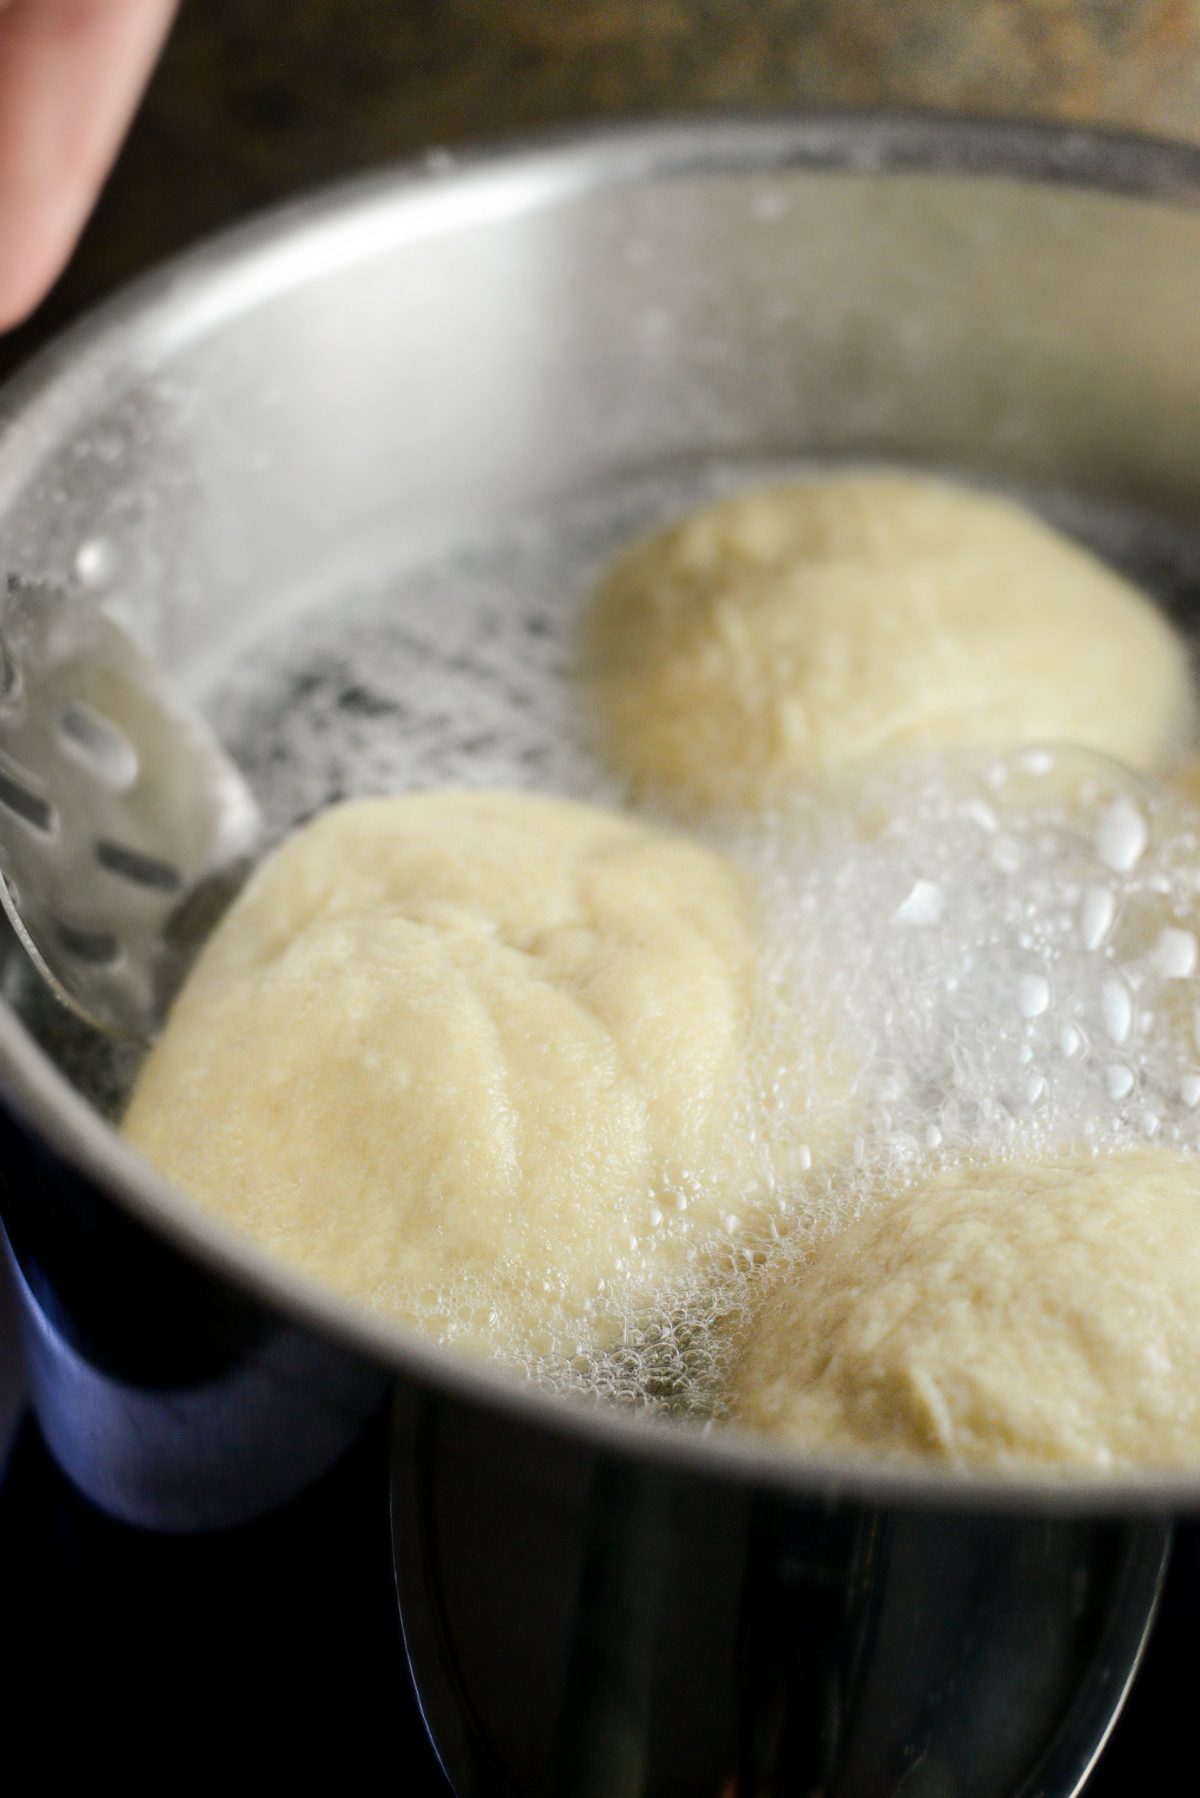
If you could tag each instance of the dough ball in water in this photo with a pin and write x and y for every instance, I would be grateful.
(788, 634)
(476, 1059)
(996, 1315)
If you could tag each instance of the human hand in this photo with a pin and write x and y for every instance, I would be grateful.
(71, 75)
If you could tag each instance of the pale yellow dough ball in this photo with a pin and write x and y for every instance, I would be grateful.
(792, 633)
(476, 1059)
(996, 1315)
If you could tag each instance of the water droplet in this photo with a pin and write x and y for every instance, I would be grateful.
(1035, 1086)
(1121, 836)
(923, 904)
(1117, 1007)
(1096, 916)
(1033, 995)
(980, 813)
(1071, 1041)
(1175, 953)
(95, 562)
(1118, 1080)
(1189, 1090)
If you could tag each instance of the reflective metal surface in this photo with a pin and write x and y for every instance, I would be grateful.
(578, 1623)
(244, 429)
(124, 826)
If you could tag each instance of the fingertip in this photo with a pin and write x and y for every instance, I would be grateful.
(71, 72)
(22, 293)
(36, 240)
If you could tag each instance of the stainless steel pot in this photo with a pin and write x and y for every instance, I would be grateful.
(594, 1604)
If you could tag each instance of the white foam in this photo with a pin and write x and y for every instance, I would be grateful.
(1001, 1026)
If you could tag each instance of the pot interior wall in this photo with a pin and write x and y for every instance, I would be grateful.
(521, 332)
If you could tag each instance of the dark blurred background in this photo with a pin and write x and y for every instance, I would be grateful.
(255, 100)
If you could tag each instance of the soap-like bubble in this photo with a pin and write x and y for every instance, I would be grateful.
(1052, 990)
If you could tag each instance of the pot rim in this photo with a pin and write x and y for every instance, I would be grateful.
(129, 336)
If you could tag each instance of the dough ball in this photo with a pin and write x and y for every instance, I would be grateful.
(476, 1059)
(994, 1315)
(789, 634)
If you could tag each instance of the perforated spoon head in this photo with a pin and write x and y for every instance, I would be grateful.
(124, 827)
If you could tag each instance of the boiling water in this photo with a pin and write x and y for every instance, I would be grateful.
(985, 954)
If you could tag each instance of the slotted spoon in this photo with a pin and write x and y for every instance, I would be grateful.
(124, 827)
